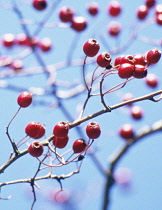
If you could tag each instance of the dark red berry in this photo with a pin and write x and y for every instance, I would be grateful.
(24, 99)
(136, 112)
(39, 4)
(125, 70)
(114, 8)
(35, 130)
(127, 97)
(158, 9)
(66, 14)
(93, 8)
(142, 12)
(150, 3)
(126, 131)
(153, 56)
(36, 149)
(79, 146)
(139, 59)
(8, 40)
(45, 44)
(93, 130)
(60, 142)
(91, 47)
(139, 71)
(79, 23)
(61, 129)
(127, 59)
(152, 80)
(158, 19)
(114, 28)
(104, 59)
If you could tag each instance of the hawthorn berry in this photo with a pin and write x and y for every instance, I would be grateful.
(114, 28)
(142, 12)
(61, 129)
(79, 23)
(45, 44)
(150, 3)
(66, 14)
(139, 59)
(127, 59)
(35, 130)
(91, 47)
(36, 149)
(114, 8)
(153, 56)
(79, 145)
(158, 9)
(104, 59)
(136, 112)
(39, 4)
(60, 142)
(159, 19)
(22, 39)
(126, 131)
(93, 8)
(118, 60)
(24, 99)
(16, 64)
(93, 130)
(8, 40)
(125, 70)
(152, 80)
(139, 71)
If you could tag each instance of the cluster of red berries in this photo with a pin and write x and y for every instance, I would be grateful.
(67, 15)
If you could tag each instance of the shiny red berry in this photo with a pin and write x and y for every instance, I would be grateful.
(61, 129)
(36, 149)
(142, 12)
(79, 146)
(114, 28)
(152, 80)
(79, 23)
(60, 142)
(139, 59)
(91, 47)
(153, 56)
(93, 8)
(158, 19)
(158, 9)
(126, 131)
(127, 59)
(136, 112)
(139, 71)
(114, 8)
(125, 70)
(24, 99)
(104, 59)
(22, 39)
(93, 130)
(45, 44)
(66, 14)
(35, 130)
(117, 60)
(150, 3)
(39, 4)
(8, 40)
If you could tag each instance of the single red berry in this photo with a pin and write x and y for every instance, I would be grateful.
(45, 44)
(114, 28)
(61, 129)
(60, 142)
(142, 12)
(127, 97)
(158, 9)
(22, 39)
(152, 80)
(139, 71)
(17, 65)
(39, 4)
(91, 47)
(139, 59)
(36, 149)
(153, 56)
(150, 3)
(126, 131)
(104, 59)
(66, 14)
(8, 40)
(136, 112)
(118, 60)
(127, 59)
(158, 19)
(24, 99)
(114, 8)
(35, 130)
(93, 8)
(93, 130)
(79, 23)
(79, 145)
(125, 70)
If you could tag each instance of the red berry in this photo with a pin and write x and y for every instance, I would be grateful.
(127, 97)
(142, 12)
(79, 145)
(152, 80)
(36, 149)
(24, 99)
(114, 8)
(21, 39)
(159, 19)
(60, 142)
(158, 9)
(104, 59)
(127, 59)
(139, 59)
(61, 129)
(93, 130)
(66, 14)
(17, 64)
(91, 47)
(39, 4)
(79, 23)
(153, 56)
(126, 131)
(125, 70)
(114, 28)
(35, 130)
(150, 3)
(118, 60)
(45, 44)
(93, 8)
(139, 71)
(136, 112)
(8, 40)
